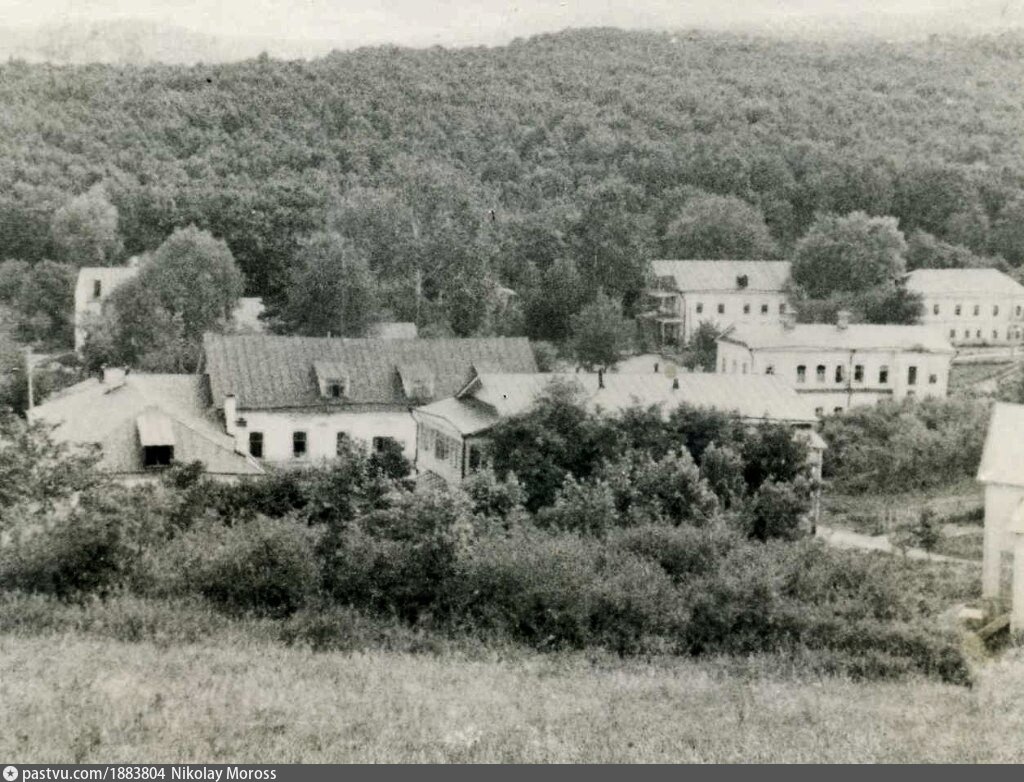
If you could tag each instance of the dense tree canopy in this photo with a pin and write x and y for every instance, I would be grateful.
(713, 226)
(85, 230)
(457, 171)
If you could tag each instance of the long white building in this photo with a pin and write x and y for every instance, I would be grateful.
(971, 306)
(840, 366)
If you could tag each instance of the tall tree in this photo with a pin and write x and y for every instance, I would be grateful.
(332, 290)
(848, 254)
(600, 334)
(194, 277)
(714, 226)
(84, 230)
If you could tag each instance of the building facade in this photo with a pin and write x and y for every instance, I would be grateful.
(723, 293)
(840, 366)
(93, 287)
(971, 306)
(1002, 474)
(293, 401)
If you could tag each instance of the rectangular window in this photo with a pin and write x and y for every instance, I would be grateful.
(933, 379)
(967, 333)
(995, 309)
(858, 373)
(957, 309)
(819, 373)
(837, 410)
(256, 445)
(883, 375)
(298, 444)
(334, 390)
(721, 309)
(935, 309)
(744, 367)
(764, 309)
(952, 333)
(1018, 310)
(380, 443)
(700, 307)
(340, 444)
(801, 374)
(475, 457)
(746, 309)
(440, 447)
(819, 411)
(912, 376)
(839, 373)
(782, 308)
(977, 309)
(97, 289)
(724, 365)
(770, 369)
(977, 334)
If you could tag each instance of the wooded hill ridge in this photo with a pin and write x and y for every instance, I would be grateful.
(457, 166)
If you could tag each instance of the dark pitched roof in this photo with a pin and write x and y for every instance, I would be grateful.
(265, 371)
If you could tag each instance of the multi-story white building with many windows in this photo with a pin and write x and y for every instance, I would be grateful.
(971, 306)
(840, 366)
(724, 293)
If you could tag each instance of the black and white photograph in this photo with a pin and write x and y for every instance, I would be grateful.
(509, 382)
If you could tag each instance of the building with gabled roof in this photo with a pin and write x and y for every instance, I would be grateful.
(142, 423)
(971, 306)
(290, 400)
(723, 293)
(843, 365)
(452, 432)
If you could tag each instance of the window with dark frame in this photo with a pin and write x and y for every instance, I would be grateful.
(883, 375)
(341, 443)
(299, 444)
(801, 374)
(911, 376)
(819, 373)
(721, 309)
(256, 445)
(858, 373)
(839, 373)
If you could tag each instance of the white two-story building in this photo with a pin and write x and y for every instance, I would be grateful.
(298, 400)
(724, 293)
(840, 366)
(971, 306)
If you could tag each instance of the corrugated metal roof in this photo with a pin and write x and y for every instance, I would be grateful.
(856, 336)
(762, 276)
(155, 428)
(966, 282)
(1002, 460)
(265, 371)
(91, 412)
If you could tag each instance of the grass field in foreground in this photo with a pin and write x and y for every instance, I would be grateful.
(71, 698)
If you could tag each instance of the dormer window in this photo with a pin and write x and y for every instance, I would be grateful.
(156, 436)
(418, 381)
(742, 281)
(333, 380)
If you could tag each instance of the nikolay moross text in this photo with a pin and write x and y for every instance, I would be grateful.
(217, 774)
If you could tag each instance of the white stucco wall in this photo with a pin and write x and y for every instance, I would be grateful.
(986, 328)
(830, 394)
(321, 430)
(1001, 502)
(733, 302)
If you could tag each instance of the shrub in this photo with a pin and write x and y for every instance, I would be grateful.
(265, 566)
(494, 498)
(581, 507)
(778, 510)
(556, 590)
(397, 559)
(669, 489)
(722, 468)
(684, 552)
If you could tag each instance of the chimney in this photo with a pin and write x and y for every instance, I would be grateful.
(675, 384)
(230, 414)
(789, 320)
(113, 376)
(600, 378)
(842, 319)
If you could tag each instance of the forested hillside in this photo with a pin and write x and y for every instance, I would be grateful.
(465, 168)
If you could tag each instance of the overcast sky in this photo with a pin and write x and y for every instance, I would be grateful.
(425, 22)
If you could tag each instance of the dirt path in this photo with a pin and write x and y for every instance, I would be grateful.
(841, 538)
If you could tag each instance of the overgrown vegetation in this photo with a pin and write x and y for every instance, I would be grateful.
(618, 540)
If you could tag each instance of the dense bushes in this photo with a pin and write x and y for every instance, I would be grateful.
(908, 445)
(638, 557)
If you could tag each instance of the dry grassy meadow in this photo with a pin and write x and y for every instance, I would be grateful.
(73, 697)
